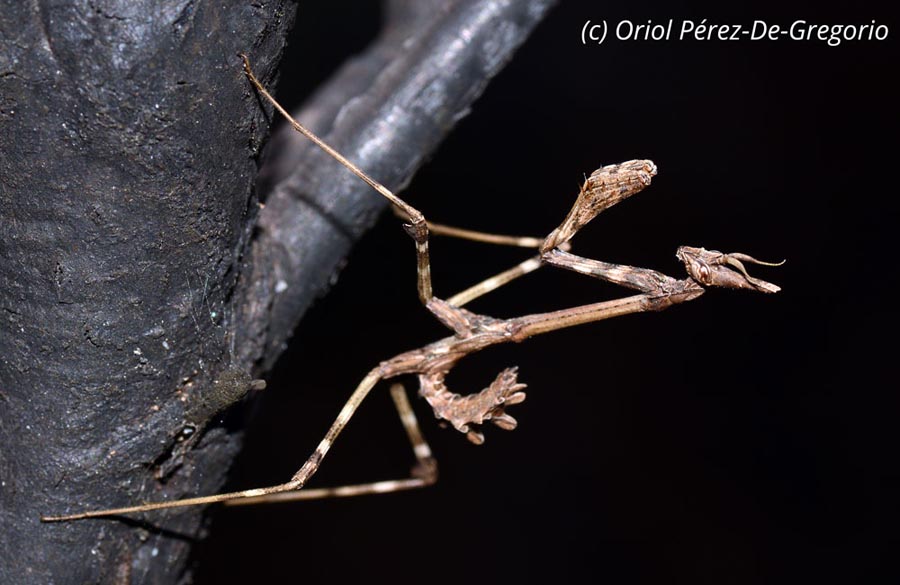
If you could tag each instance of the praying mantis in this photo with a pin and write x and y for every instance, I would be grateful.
(471, 332)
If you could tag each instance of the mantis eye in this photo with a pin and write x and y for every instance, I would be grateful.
(704, 273)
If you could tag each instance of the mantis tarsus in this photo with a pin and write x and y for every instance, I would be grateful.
(473, 332)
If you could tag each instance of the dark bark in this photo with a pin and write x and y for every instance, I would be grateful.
(135, 293)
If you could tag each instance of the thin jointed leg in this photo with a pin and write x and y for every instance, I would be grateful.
(296, 482)
(494, 282)
(417, 227)
(424, 473)
(641, 279)
(174, 504)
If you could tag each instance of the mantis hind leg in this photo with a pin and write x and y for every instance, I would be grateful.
(424, 472)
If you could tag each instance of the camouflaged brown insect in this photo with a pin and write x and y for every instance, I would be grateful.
(471, 332)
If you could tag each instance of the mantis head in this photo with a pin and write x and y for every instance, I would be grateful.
(713, 268)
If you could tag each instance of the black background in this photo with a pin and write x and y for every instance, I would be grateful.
(740, 438)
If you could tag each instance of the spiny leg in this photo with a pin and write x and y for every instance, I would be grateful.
(642, 279)
(605, 187)
(706, 267)
(423, 474)
(612, 184)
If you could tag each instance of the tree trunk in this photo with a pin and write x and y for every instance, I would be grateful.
(141, 284)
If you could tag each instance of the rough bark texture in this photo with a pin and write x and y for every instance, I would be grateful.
(135, 293)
